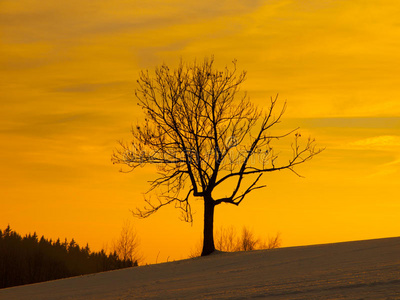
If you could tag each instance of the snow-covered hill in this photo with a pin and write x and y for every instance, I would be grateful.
(353, 270)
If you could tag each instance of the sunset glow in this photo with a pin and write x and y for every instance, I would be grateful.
(68, 74)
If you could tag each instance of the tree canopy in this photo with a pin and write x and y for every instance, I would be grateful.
(201, 132)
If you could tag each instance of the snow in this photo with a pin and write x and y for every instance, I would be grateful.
(353, 270)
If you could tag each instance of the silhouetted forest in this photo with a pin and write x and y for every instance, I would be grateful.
(28, 259)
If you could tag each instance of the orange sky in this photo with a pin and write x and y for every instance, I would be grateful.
(67, 76)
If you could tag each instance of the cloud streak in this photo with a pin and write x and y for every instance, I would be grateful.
(383, 141)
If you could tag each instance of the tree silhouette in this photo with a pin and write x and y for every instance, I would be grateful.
(202, 133)
(127, 244)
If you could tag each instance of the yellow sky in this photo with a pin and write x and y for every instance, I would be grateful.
(67, 77)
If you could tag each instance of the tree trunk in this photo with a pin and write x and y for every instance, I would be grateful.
(208, 237)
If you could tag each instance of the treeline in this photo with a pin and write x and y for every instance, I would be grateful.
(28, 259)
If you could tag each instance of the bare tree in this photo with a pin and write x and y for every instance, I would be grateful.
(273, 242)
(127, 244)
(202, 133)
(225, 239)
(270, 243)
(248, 241)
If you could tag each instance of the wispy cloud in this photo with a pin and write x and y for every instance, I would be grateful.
(379, 142)
(348, 122)
(70, 20)
(393, 163)
(88, 87)
(57, 125)
(387, 169)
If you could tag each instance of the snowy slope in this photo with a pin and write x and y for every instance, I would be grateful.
(353, 270)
